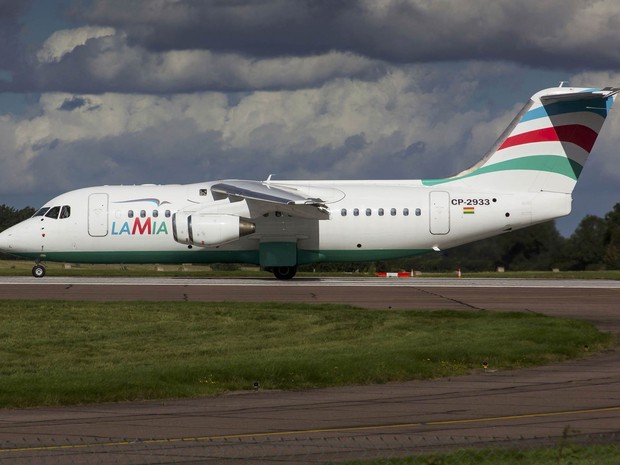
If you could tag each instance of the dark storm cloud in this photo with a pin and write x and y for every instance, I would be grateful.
(572, 34)
(171, 46)
(11, 47)
(107, 63)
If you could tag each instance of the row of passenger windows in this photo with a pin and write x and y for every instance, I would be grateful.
(65, 212)
(380, 212)
(54, 212)
(154, 213)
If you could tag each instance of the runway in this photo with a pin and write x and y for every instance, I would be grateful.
(532, 406)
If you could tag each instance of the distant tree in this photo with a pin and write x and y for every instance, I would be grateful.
(10, 216)
(611, 256)
(539, 247)
(585, 249)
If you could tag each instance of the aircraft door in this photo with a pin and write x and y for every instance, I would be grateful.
(98, 215)
(439, 212)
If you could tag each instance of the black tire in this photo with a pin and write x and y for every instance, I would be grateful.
(284, 273)
(38, 271)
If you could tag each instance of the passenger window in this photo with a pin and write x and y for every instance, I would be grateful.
(130, 213)
(167, 213)
(418, 212)
(356, 212)
(405, 212)
(142, 213)
(343, 212)
(53, 212)
(65, 212)
(368, 212)
(381, 212)
(393, 212)
(155, 213)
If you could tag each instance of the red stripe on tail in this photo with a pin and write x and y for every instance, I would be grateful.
(577, 134)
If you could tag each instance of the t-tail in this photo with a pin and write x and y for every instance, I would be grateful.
(545, 147)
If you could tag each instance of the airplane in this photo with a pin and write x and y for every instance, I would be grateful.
(527, 177)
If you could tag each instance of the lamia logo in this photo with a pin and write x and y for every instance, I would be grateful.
(139, 227)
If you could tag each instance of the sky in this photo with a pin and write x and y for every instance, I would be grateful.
(96, 92)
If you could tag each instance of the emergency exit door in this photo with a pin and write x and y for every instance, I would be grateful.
(98, 215)
(439, 212)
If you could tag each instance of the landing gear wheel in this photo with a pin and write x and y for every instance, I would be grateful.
(284, 273)
(38, 271)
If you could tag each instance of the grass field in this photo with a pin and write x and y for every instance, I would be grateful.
(56, 353)
(567, 454)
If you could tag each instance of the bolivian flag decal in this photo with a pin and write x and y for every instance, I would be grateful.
(468, 210)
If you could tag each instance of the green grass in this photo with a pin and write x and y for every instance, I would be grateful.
(561, 455)
(56, 353)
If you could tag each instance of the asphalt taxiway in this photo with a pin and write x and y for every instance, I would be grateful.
(530, 406)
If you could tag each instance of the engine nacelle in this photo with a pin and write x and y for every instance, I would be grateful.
(205, 230)
(180, 230)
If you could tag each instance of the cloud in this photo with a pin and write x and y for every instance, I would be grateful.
(530, 32)
(11, 47)
(65, 41)
(401, 126)
(98, 60)
(172, 46)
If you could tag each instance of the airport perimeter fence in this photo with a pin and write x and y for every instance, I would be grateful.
(388, 449)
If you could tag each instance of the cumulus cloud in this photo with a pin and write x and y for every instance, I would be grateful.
(62, 42)
(398, 127)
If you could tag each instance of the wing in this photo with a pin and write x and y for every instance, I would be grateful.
(266, 197)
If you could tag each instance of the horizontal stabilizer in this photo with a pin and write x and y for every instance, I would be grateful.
(584, 95)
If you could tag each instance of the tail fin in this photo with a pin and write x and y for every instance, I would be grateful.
(546, 145)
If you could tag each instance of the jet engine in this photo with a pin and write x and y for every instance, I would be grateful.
(208, 229)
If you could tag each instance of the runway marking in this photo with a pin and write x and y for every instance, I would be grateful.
(426, 282)
(307, 431)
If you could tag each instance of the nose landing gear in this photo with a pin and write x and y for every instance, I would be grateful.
(38, 270)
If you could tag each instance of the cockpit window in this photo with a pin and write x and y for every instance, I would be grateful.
(41, 211)
(65, 212)
(53, 212)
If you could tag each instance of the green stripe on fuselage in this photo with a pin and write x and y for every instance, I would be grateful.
(221, 256)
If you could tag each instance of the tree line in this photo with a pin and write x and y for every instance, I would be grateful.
(594, 245)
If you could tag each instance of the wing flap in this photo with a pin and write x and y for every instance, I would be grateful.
(271, 198)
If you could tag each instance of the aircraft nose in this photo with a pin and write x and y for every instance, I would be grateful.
(6, 241)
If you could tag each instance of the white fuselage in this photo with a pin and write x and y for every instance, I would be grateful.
(368, 220)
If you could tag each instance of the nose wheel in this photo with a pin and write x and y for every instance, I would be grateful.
(38, 271)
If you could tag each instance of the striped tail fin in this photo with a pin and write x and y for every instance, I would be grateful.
(546, 145)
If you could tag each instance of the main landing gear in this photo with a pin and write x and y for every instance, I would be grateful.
(284, 273)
